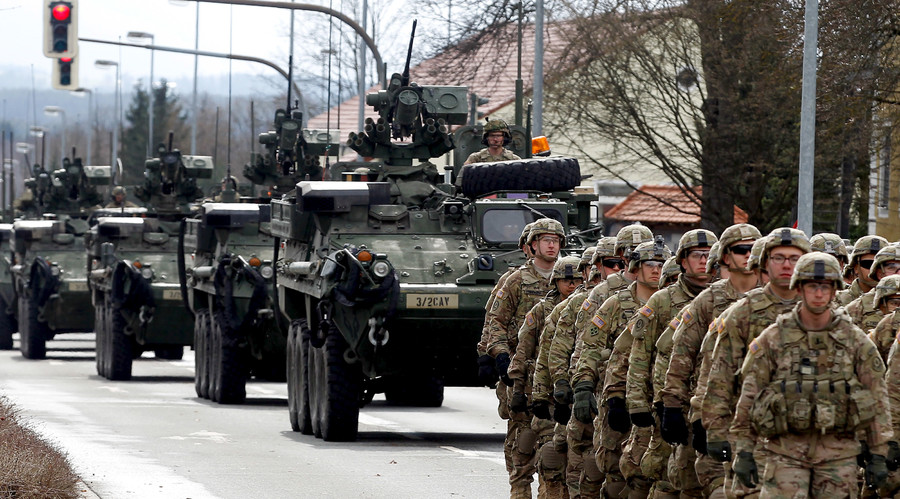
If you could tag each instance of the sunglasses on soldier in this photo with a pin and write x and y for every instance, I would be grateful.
(613, 263)
(740, 249)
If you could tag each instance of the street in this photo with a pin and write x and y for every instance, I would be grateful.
(153, 437)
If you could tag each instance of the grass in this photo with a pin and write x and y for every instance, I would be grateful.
(29, 466)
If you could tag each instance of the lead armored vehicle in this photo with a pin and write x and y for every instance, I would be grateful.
(8, 324)
(384, 277)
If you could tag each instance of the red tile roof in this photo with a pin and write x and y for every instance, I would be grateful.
(662, 204)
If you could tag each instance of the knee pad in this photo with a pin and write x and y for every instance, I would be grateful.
(716, 488)
(613, 489)
(526, 440)
(592, 473)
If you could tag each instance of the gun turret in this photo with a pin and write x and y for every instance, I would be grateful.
(169, 186)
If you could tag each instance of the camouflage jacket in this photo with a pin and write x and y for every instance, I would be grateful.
(650, 323)
(863, 312)
(481, 349)
(521, 368)
(689, 333)
(705, 365)
(602, 331)
(892, 378)
(521, 291)
(484, 156)
(845, 296)
(559, 352)
(542, 386)
(786, 354)
(740, 324)
(884, 333)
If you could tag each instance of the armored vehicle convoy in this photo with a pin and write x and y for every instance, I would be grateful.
(385, 281)
(132, 261)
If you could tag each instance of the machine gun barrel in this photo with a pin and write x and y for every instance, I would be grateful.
(412, 37)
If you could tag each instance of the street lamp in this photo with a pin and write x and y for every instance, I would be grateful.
(103, 64)
(58, 111)
(80, 92)
(140, 36)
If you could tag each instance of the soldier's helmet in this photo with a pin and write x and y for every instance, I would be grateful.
(496, 125)
(586, 258)
(817, 266)
(118, 190)
(230, 179)
(889, 253)
(886, 288)
(630, 236)
(670, 271)
(525, 231)
(715, 255)
(547, 226)
(784, 236)
(832, 244)
(606, 247)
(651, 250)
(756, 252)
(696, 238)
(566, 268)
(737, 233)
(867, 245)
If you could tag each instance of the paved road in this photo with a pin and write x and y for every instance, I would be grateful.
(152, 437)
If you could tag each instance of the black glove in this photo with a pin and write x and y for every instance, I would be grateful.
(745, 469)
(642, 419)
(585, 406)
(658, 409)
(720, 451)
(502, 365)
(541, 409)
(562, 392)
(618, 417)
(876, 471)
(698, 439)
(893, 456)
(561, 413)
(487, 373)
(518, 402)
(862, 459)
(673, 427)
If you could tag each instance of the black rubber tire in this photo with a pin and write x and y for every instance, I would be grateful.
(7, 327)
(533, 174)
(32, 333)
(229, 366)
(100, 339)
(334, 392)
(298, 377)
(292, 366)
(201, 353)
(169, 352)
(121, 347)
(213, 353)
(415, 391)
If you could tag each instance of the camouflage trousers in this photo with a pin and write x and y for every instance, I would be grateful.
(711, 475)
(503, 411)
(583, 477)
(608, 446)
(630, 462)
(521, 447)
(786, 478)
(653, 464)
(551, 460)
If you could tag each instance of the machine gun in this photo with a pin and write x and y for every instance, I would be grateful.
(70, 190)
(169, 186)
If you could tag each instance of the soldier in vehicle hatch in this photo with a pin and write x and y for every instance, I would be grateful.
(496, 136)
(118, 199)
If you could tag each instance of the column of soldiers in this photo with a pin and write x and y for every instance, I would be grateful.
(737, 366)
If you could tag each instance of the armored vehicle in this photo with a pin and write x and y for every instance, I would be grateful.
(8, 324)
(132, 259)
(385, 281)
(47, 266)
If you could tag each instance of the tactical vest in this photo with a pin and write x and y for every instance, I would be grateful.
(814, 387)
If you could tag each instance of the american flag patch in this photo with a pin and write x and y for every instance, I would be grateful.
(687, 316)
(500, 294)
(898, 336)
(529, 319)
(598, 321)
(674, 323)
(586, 304)
(646, 311)
(720, 326)
(754, 347)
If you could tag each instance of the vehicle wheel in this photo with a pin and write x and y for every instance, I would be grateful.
(121, 347)
(334, 391)
(32, 335)
(201, 352)
(229, 368)
(7, 327)
(533, 174)
(298, 378)
(291, 366)
(100, 339)
(171, 352)
(415, 391)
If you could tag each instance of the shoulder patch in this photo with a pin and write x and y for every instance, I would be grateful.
(674, 323)
(586, 305)
(754, 346)
(898, 336)
(500, 294)
(646, 311)
(598, 321)
(720, 326)
(687, 316)
(529, 319)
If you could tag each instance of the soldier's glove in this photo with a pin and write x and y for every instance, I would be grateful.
(698, 438)
(745, 469)
(562, 392)
(561, 413)
(487, 373)
(585, 406)
(618, 417)
(876, 471)
(541, 409)
(673, 427)
(720, 451)
(642, 419)
(893, 456)
(502, 364)
(518, 402)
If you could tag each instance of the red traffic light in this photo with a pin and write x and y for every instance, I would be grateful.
(61, 12)
(65, 59)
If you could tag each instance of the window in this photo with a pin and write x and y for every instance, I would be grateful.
(505, 226)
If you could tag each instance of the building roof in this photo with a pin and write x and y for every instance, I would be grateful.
(655, 204)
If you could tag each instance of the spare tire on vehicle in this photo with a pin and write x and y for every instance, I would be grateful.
(533, 174)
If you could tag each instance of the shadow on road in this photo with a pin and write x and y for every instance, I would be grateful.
(162, 379)
(376, 440)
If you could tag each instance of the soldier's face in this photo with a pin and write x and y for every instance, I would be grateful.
(650, 270)
(780, 264)
(817, 295)
(695, 261)
(495, 139)
(547, 246)
(890, 304)
(567, 286)
(887, 268)
(738, 254)
(864, 263)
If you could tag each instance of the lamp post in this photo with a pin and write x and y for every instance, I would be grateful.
(58, 111)
(90, 93)
(140, 36)
(100, 63)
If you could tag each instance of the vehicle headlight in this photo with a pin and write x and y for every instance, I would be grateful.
(266, 271)
(381, 269)
(147, 272)
(54, 271)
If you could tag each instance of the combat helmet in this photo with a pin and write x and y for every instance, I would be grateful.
(525, 231)
(715, 255)
(817, 266)
(670, 272)
(866, 245)
(651, 250)
(496, 125)
(566, 268)
(586, 258)
(737, 233)
(830, 243)
(630, 236)
(889, 253)
(756, 253)
(118, 190)
(546, 226)
(606, 247)
(696, 238)
(785, 236)
(886, 288)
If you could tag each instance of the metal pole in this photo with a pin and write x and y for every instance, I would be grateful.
(90, 144)
(537, 121)
(361, 84)
(194, 95)
(115, 138)
(152, 99)
(808, 118)
(62, 114)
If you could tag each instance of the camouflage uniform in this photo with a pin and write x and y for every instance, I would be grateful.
(485, 156)
(892, 379)
(884, 334)
(863, 311)
(866, 245)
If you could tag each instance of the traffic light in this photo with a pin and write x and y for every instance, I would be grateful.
(61, 28)
(65, 73)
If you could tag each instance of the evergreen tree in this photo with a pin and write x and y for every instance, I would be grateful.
(168, 115)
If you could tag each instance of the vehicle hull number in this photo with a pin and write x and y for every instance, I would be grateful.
(432, 301)
(78, 286)
(171, 294)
